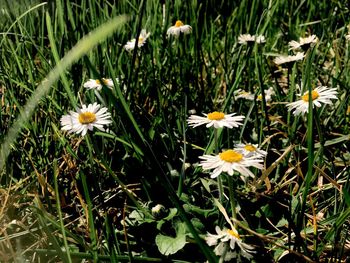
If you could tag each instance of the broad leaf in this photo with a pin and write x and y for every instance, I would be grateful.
(170, 245)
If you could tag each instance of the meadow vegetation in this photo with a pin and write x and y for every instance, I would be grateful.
(199, 144)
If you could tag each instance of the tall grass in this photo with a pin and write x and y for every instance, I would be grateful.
(64, 197)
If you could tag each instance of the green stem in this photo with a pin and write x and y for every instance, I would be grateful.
(221, 189)
(232, 199)
(261, 84)
(182, 174)
(58, 206)
(310, 153)
(320, 135)
(92, 229)
(222, 258)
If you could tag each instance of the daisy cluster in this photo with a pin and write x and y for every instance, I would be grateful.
(237, 161)
(89, 116)
(242, 161)
(174, 30)
(319, 96)
(94, 115)
(233, 160)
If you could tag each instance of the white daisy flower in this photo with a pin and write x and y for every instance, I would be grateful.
(130, 45)
(250, 150)
(268, 95)
(288, 59)
(304, 42)
(242, 94)
(229, 161)
(229, 237)
(97, 85)
(247, 38)
(179, 28)
(86, 119)
(319, 95)
(216, 119)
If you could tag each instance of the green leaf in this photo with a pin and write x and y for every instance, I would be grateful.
(205, 184)
(334, 141)
(282, 222)
(137, 216)
(346, 197)
(262, 231)
(170, 245)
(295, 203)
(172, 213)
(198, 224)
(267, 211)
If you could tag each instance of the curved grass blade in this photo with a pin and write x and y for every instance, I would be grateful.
(79, 50)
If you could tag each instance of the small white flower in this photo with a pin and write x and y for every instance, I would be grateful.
(192, 111)
(216, 119)
(187, 165)
(250, 150)
(303, 42)
(347, 37)
(243, 94)
(174, 173)
(288, 59)
(158, 210)
(268, 95)
(319, 96)
(229, 161)
(229, 237)
(97, 85)
(130, 45)
(179, 28)
(86, 119)
(247, 38)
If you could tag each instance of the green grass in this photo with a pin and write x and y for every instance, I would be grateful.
(67, 198)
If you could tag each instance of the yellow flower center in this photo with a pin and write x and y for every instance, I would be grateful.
(103, 80)
(87, 117)
(179, 23)
(250, 148)
(231, 156)
(259, 97)
(216, 116)
(233, 233)
(314, 95)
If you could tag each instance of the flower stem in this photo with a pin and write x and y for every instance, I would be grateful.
(182, 174)
(232, 199)
(221, 189)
